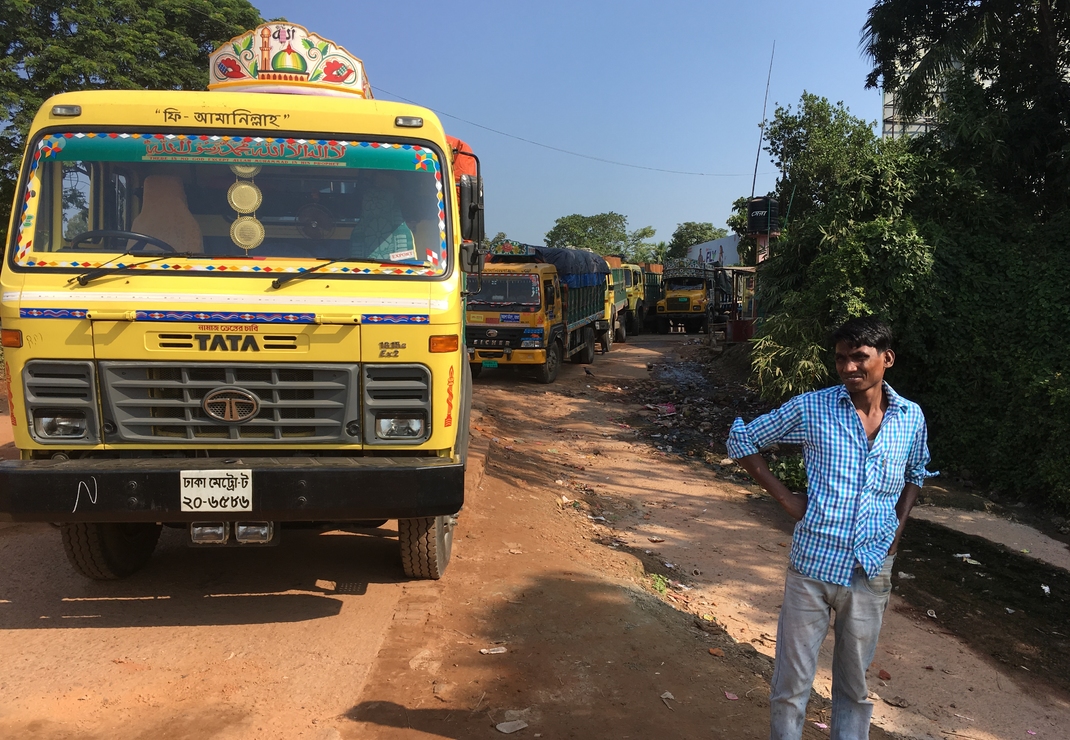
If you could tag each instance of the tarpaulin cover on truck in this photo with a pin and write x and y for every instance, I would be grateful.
(577, 268)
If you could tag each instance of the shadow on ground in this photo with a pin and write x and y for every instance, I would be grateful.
(181, 586)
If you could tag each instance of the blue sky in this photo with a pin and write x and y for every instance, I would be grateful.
(675, 85)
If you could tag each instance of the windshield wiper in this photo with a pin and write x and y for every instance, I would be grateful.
(86, 277)
(281, 281)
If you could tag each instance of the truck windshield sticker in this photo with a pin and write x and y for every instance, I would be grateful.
(377, 207)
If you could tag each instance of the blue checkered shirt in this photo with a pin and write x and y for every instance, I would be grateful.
(853, 486)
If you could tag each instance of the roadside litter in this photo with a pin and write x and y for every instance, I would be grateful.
(509, 728)
(493, 651)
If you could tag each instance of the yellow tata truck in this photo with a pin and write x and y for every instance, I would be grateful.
(536, 307)
(695, 295)
(238, 310)
(616, 306)
(634, 311)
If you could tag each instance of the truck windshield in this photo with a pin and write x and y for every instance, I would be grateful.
(226, 200)
(508, 291)
(684, 283)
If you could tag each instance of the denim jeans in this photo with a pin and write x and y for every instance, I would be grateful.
(803, 624)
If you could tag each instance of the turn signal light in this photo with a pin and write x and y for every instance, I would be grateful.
(10, 338)
(443, 343)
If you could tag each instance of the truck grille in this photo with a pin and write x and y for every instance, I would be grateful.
(511, 336)
(678, 304)
(164, 402)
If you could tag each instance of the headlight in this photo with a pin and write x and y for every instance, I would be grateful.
(59, 423)
(661, 308)
(400, 426)
(697, 308)
(531, 344)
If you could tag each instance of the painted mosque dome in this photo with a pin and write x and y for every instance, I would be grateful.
(289, 60)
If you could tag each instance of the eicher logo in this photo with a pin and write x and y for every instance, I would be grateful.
(226, 343)
(449, 400)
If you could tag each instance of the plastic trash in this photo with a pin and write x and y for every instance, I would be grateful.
(931, 613)
(730, 696)
(821, 725)
(906, 576)
(508, 728)
(493, 651)
(1045, 589)
(668, 695)
(961, 555)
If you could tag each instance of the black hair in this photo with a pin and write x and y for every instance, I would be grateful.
(865, 331)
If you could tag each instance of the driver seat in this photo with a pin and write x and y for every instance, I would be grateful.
(165, 215)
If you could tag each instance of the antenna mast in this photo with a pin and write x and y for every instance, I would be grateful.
(761, 136)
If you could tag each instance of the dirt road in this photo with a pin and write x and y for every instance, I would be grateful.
(607, 569)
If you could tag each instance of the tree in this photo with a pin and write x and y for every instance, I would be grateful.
(815, 146)
(495, 240)
(690, 233)
(53, 46)
(995, 72)
(854, 251)
(604, 233)
(747, 246)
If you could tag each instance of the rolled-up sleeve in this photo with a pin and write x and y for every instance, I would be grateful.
(918, 457)
(785, 424)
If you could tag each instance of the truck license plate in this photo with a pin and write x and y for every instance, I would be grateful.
(490, 363)
(216, 490)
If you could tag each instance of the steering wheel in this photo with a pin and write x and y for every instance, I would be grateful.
(138, 239)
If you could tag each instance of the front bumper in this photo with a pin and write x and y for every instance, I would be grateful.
(508, 356)
(284, 489)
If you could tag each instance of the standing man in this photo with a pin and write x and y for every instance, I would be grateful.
(865, 448)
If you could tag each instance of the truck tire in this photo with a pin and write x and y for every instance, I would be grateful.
(622, 332)
(586, 355)
(547, 372)
(606, 340)
(637, 321)
(476, 368)
(426, 544)
(107, 551)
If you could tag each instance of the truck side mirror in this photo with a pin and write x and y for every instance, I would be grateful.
(470, 257)
(471, 207)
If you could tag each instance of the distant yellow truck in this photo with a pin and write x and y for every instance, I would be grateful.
(228, 311)
(634, 314)
(696, 297)
(538, 306)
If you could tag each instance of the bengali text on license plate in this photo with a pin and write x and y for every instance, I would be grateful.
(216, 490)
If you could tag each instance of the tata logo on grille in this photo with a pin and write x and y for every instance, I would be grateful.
(231, 405)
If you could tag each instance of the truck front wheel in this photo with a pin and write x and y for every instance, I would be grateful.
(622, 331)
(106, 551)
(547, 372)
(426, 544)
(477, 368)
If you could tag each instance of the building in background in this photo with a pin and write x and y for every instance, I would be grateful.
(895, 126)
